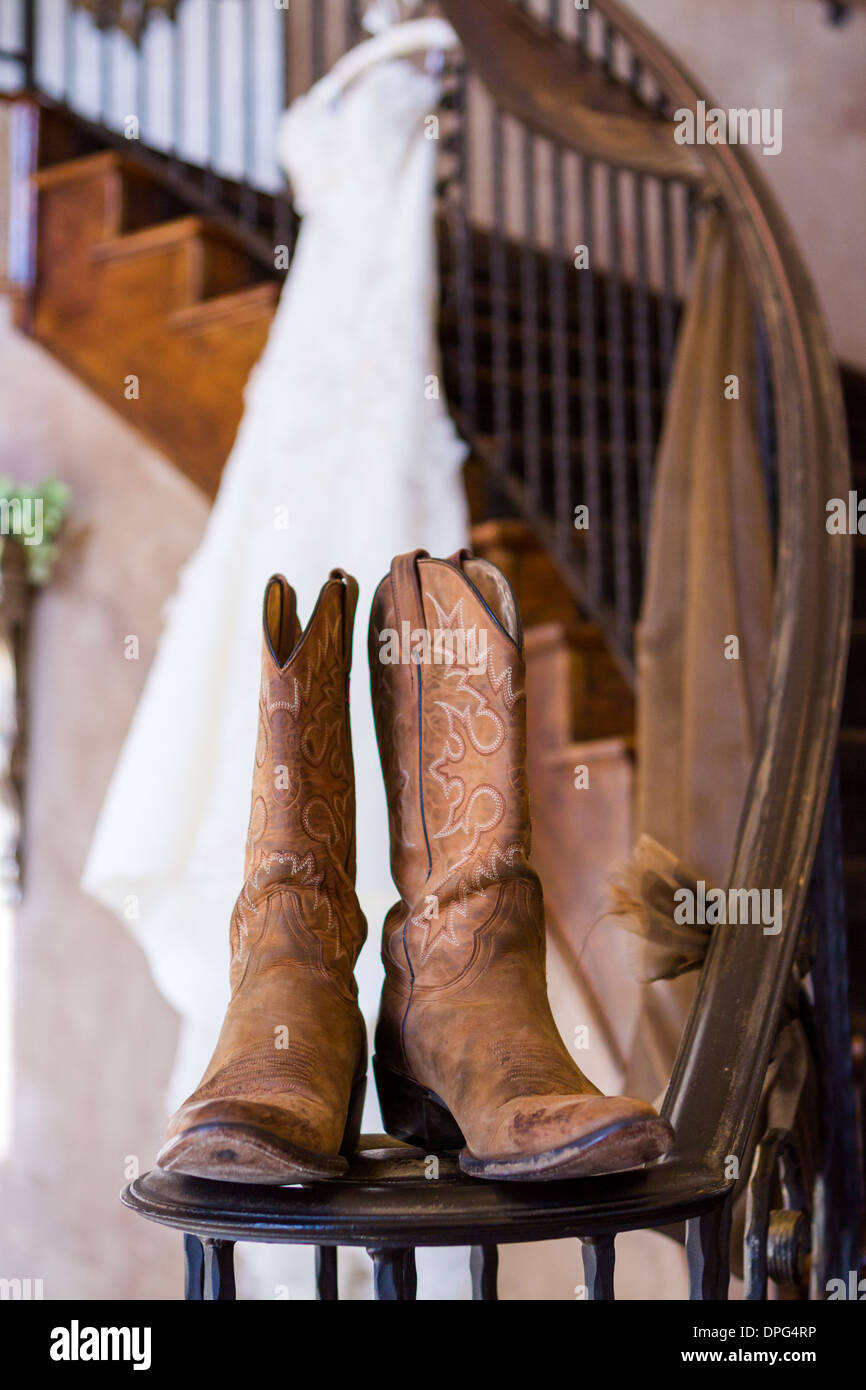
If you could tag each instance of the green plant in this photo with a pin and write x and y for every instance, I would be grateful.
(33, 516)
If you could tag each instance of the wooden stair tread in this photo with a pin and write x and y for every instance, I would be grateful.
(84, 167)
(541, 636)
(160, 236)
(588, 750)
(257, 300)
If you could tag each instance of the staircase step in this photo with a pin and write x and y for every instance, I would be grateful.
(134, 198)
(88, 166)
(214, 263)
(109, 289)
(227, 310)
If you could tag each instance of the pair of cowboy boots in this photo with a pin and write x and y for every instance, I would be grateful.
(467, 1053)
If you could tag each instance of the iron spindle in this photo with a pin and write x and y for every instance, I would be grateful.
(559, 362)
(317, 39)
(177, 87)
(643, 369)
(465, 265)
(142, 84)
(212, 182)
(608, 48)
(28, 43)
(666, 313)
(105, 38)
(591, 472)
(499, 305)
(327, 1289)
(529, 335)
(249, 199)
(484, 1269)
(353, 23)
(70, 28)
(617, 417)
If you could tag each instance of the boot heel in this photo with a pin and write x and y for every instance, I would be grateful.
(352, 1132)
(412, 1113)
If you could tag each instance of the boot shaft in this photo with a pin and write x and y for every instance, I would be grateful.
(301, 838)
(448, 682)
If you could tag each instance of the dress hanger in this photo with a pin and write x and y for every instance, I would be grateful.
(399, 41)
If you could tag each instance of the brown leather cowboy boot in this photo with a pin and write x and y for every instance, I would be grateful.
(281, 1100)
(467, 1052)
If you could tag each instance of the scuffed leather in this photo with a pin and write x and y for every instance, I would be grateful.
(464, 1008)
(292, 1044)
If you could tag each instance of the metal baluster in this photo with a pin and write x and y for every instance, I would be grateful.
(353, 23)
(643, 369)
(599, 1259)
(106, 49)
(692, 204)
(591, 473)
(636, 74)
(499, 302)
(529, 334)
(142, 84)
(583, 28)
(708, 1243)
(465, 267)
(249, 199)
(609, 48)
(559, 363)
(28, 44)
(317, 39)
(282, 202)
(69, 52)
(484, 1270)
(219, 1271)
(212, 181)
(193, 1268)
(666, 314)
(327, 1289)
(617, 417)
(394, 1277)
(766, 423)
(177, 88)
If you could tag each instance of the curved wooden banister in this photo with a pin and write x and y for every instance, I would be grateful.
(726, 1046)
(784, 803)
(553, 89)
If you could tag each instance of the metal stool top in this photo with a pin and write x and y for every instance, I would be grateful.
(396, 1198)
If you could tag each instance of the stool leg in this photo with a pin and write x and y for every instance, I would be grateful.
(599, 1258)
(326, 1273)
(708, 1240)
(484, 1270)
(193, 1268)
(394, 1277)
(219, 1271)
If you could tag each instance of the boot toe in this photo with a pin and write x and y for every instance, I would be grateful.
(249, 1141)
(552, 1137)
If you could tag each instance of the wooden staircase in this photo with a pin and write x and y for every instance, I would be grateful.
(161, 312)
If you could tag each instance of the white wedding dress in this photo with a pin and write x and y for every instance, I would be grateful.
(345, 457)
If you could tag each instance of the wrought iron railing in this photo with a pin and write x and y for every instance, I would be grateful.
(198, 95)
